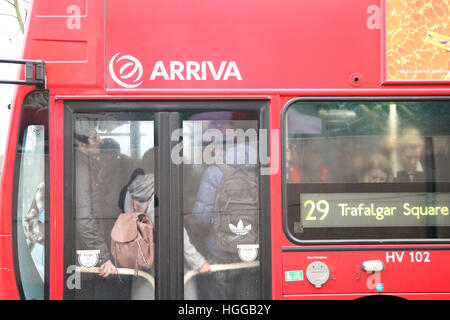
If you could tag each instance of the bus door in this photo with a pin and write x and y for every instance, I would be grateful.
(195, 173)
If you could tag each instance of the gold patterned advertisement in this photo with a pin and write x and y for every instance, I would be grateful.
(417, 40)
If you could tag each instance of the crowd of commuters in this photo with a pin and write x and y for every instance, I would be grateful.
(410, 157)
(109, 183)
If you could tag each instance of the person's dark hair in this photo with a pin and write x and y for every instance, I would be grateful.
(109, 145)
(81, 138)
(123, 192)
(148, 160)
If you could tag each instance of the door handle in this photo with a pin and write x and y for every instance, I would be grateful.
(372, 266)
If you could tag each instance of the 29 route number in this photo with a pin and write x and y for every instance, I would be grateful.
(322, 207)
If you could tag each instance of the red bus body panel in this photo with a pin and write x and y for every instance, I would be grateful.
(270, 50)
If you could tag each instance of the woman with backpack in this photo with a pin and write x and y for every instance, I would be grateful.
(140, 194)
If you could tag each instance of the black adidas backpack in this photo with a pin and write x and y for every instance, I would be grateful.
(236, 211)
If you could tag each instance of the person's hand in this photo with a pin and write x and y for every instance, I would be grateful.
(107, 269)
(205, 268)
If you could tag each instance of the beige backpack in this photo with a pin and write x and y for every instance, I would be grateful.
(132, 239)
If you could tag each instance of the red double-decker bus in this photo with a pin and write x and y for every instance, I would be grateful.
(282, 150)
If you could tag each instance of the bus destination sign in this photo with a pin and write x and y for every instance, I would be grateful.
(413, 209)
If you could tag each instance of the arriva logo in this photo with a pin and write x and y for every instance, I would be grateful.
(195, 70)
(130, 71)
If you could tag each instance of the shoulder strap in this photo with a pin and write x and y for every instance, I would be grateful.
(138, 205)
(147, 204)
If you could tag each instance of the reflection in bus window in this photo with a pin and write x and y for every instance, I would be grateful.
(345, 139)
(367, 170)
(32, 154)
(306, 162)
(114, 167)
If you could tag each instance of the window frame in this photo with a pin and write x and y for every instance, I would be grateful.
(358, 187)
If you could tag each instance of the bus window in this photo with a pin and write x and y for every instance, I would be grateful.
(31, 173)
(221, 205)
(367, 170)
(114, 173)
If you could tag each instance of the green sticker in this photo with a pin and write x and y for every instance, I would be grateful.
(293, 275)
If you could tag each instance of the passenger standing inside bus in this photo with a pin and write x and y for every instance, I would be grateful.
(237, 284)
(441, 148)
(377, 169)
(140, 193)
(410, 148)
(90, 235)
(116, 168)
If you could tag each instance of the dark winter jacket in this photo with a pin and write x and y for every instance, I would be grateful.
(90, 230)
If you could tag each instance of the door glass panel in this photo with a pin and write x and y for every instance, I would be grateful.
(32, 154)
(221, 210)
(114, 159)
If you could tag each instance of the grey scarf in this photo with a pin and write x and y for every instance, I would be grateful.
(142, 187)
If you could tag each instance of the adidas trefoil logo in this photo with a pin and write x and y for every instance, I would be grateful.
(240, 230)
